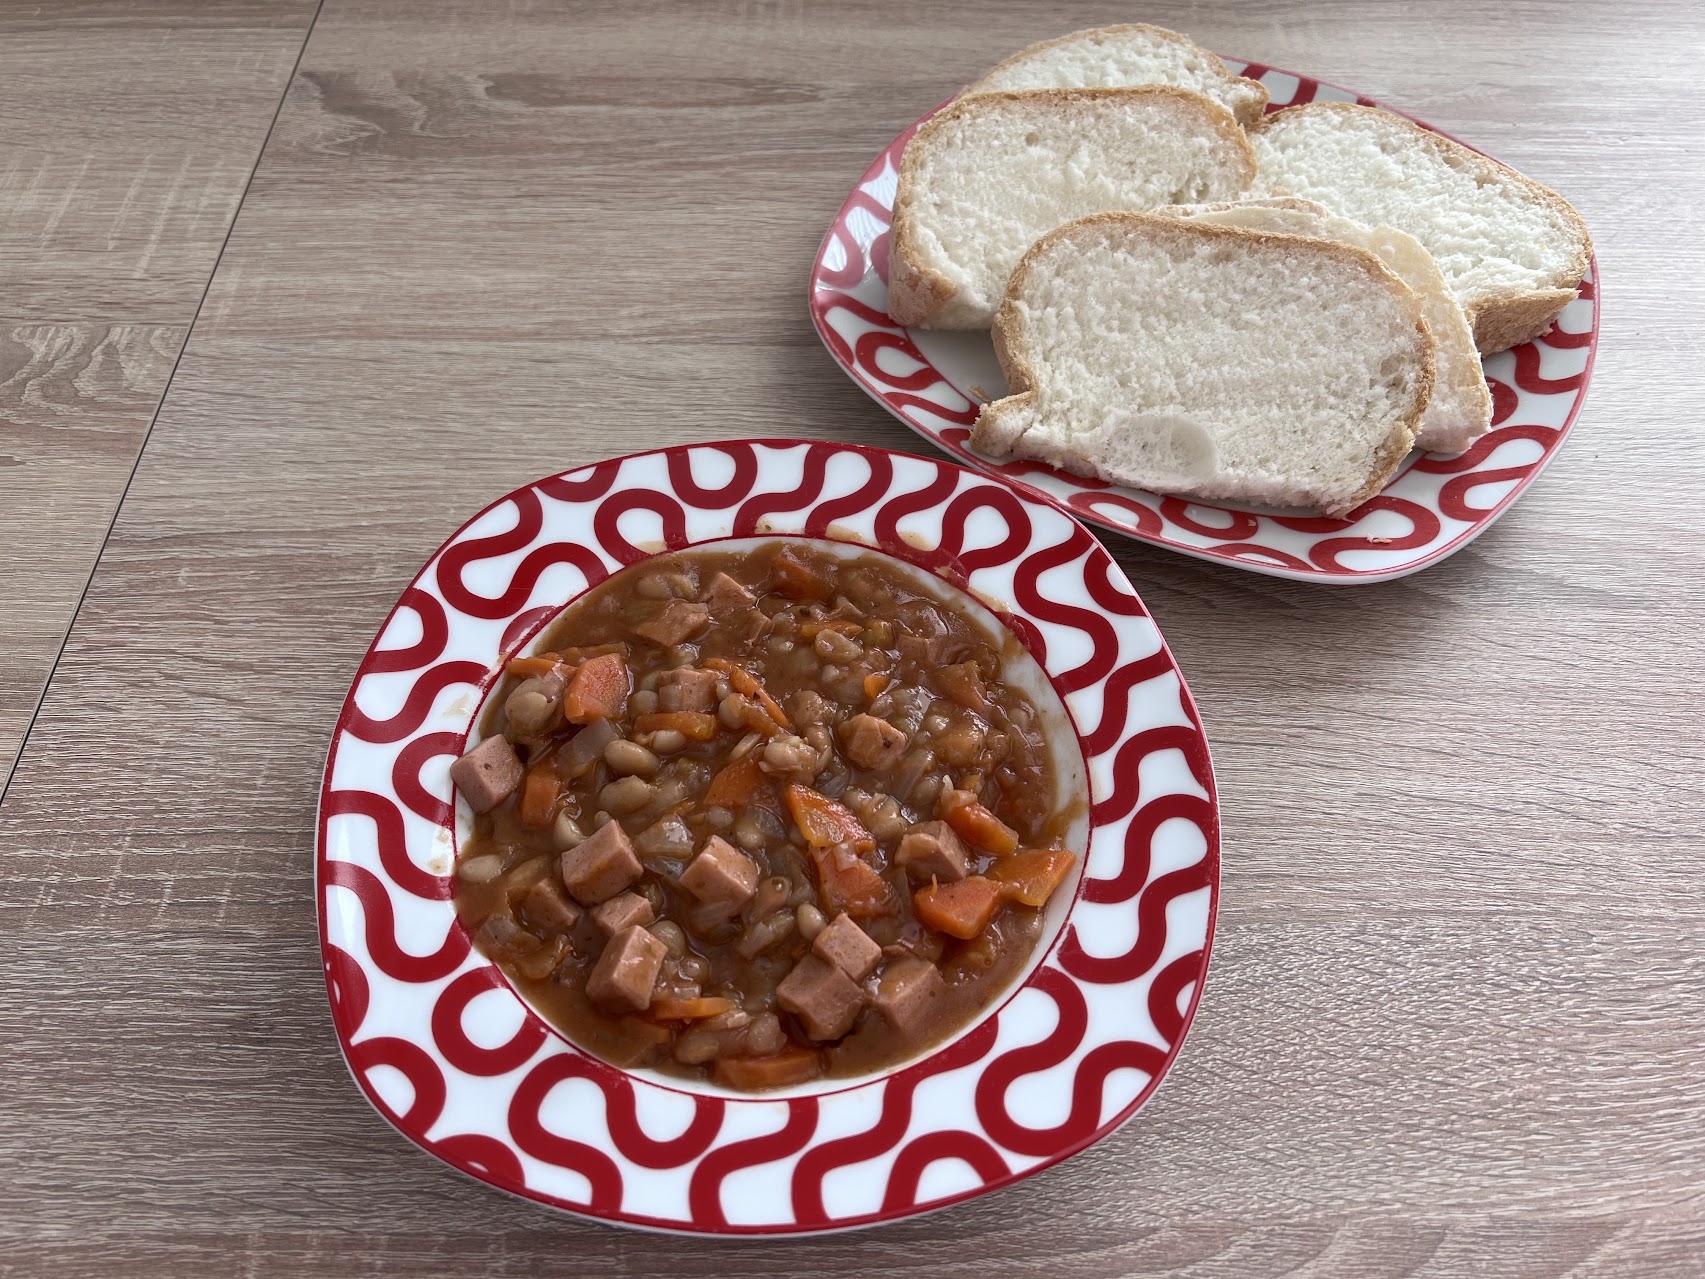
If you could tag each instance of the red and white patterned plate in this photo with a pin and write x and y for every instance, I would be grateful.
(1436, 505)
(445, 1049)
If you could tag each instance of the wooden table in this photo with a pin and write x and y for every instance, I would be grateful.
(424, 252)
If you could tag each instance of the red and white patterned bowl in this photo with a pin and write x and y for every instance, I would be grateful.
(1435, 506)
(446, 1050)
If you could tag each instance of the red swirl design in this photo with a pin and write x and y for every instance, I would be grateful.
(630, 1139)
(606, 524)
(889, 1128)
(415, 1065)
(405, 776)
(390, 840)
(388, 957)
(433, 681)
(704, 1192)
(1088, 1081)
(434, 630)
(603, 1177)
(1151, 931)
(739, 484)
(917, 1155)
(456, 560)
(348, 988)
(463, 1053)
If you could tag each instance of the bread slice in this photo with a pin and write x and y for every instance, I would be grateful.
(1122, 56)
(1210, 361)
(988, 175)
(1460, 408)
(1514, 252)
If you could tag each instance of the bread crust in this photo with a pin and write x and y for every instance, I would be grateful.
(995, 437)
(1512, 316)
(1508, 319)
(1247, 113)
(917, 292)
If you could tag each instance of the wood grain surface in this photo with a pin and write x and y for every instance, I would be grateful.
(1455, 1024)
(128, 131)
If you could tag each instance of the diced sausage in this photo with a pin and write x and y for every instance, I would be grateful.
(721, 873)
(687, 689)
(545, 904)
(871, 742)
(848, 947)
(627, 970)
(488, 774)
(622, 912)
(725, 596)
(907, 993)
(932, 850)
(601, 865)
(674, 623)
(824, 998)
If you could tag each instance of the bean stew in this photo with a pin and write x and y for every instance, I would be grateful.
(761, 816)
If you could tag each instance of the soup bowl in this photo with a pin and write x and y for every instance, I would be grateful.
(452, 1055)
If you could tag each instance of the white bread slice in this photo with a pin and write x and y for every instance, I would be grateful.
(1122, 56)
(1210, 361)
(1514, 252)
(988, 175)
(1460, 408)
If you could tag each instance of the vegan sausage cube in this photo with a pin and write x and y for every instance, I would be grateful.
(622, 912)
(687, 689)
(824, 998)
(546, 905)
(627, 970)
(726, 596)
(933, 850)
(601, 865)
(848, 947)
(488, 774)
(907, 993)
(871, 742)
(721, 873)
(675, 622)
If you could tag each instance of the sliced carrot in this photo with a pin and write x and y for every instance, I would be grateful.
(539, 794)
(737, 784)
(695, 726)
(790, 1066)
(961, 909)
(599, 690)
(850, 884)
(873, 685)
(977, 825)
(690, 1009)
(745, 683)
(793, 576)
(1032, 876)
(534, 667)
(826, 823)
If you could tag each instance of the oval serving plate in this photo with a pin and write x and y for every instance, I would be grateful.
(1434, 507)
(452, 1057)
